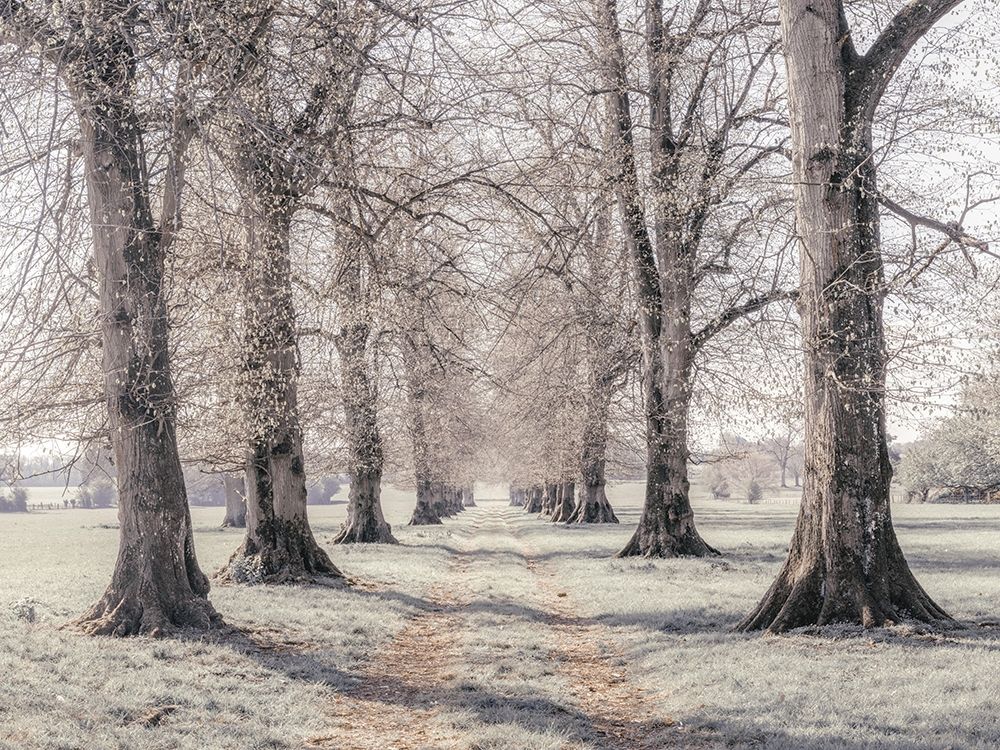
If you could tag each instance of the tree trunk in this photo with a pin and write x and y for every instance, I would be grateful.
(593, 505)
(426, 512)
(444, 502)
(454, 495)
(533, 499)
(566, 504)
(664, 281)
(550, 491)
(279, 546)
(844, 562)
(468, 497)
(439, 500)
(666, 526)
(365, 522)
(157, 585)
(236, 504)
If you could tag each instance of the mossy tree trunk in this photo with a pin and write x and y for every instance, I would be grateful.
(279, 546)
(844, 562)
(157, 586)
(365, 522)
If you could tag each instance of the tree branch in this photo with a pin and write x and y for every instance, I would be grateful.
(952, 231)
(880, 63)
(733, 314)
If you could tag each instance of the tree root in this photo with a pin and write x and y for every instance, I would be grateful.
(368, 533)
(804, 595)
(661, 543)
(121, 614)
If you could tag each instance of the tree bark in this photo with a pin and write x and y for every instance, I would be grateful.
(453, 499)
(666, 527)
(365, 522)
(468, 497)
(566, 503)
(550, 498)
(444, 500)
(439, 499)
(593, 505)
(157, 585)
(664, 281)
(427, 510)
(844, 562)
(236, 504)
(533, 499)
(279, 546)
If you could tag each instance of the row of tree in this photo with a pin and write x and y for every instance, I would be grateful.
(452, 242)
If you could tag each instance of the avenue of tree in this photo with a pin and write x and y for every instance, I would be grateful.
(275, 242)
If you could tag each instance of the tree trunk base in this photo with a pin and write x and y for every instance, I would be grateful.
(425, 517)
(562, 514)
(295, 557)
(593, 513)
(658, 541)
(138, 610)
(565, 502)
(234, 523)
(804, 594)
(593, 507)
(368, 533)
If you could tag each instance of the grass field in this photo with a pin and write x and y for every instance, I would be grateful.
(499, 630)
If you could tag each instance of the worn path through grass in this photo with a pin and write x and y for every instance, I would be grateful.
(500, 631)
(498, 658)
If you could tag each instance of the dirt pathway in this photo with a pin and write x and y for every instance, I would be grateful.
(590, 656)
(408, 696)
(395, 705)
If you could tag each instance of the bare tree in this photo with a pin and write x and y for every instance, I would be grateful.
(281, 154)
(157, 585)
(844, 562)
(701, 120)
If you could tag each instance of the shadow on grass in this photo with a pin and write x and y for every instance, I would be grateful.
(501, 607)
(747, 734)
(490, 707)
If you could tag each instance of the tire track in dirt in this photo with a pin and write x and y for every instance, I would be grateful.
(589, 656)
(394, 705)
